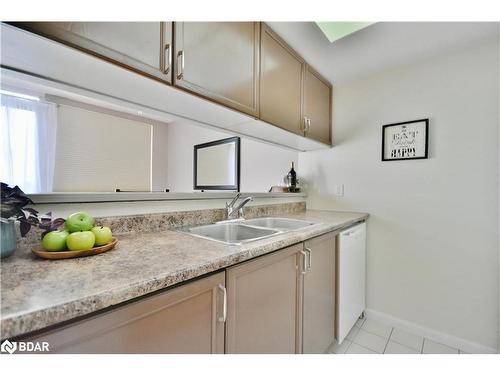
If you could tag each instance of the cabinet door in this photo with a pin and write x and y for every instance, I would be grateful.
(181, 320)
(263, 314)
(219, 60)
(280, 83)
(317, 106)
(318, 328)
(142, 46)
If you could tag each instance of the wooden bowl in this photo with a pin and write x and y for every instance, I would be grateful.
(41, 252)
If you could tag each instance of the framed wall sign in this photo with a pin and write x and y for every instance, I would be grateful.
(405, 140)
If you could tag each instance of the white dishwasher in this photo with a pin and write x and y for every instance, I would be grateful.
(351, 278)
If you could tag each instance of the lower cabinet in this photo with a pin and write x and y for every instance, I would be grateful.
(186, 319)
(282, 302)
(263, 304)
(318, 322)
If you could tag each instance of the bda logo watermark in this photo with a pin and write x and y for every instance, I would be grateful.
(21, 346)
(8, 347)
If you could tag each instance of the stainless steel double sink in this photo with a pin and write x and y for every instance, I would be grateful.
(238, 232)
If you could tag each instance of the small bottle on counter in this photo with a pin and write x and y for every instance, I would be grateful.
(292, 178)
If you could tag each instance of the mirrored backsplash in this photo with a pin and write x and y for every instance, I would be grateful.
(52, 146)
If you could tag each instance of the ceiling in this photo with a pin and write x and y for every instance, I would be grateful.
(379, 47)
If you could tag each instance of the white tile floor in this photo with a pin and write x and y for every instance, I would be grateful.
(369, 336)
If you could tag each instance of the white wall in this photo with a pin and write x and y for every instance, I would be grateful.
(159, 157)
(262, 165)
(433, 231)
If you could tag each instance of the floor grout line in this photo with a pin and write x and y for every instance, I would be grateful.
(365, 347)
(408, 346)
(370, 348)
(348, 346)
(388, 339)
(376, 334)
(419, 351)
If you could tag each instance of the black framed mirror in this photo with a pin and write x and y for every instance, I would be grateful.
(217, 165)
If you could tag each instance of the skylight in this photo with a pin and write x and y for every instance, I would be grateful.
(337, 30)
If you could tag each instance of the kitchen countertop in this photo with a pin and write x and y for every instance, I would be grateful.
(38, 293)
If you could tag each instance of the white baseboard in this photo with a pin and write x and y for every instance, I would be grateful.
(443, 338)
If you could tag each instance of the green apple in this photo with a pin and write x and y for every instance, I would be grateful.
(79, 221)
(102, 235)
(83, 240)
(55, 240)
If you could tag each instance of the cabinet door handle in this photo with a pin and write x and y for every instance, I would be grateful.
(309, 258)
(167, 58)
(304, 262)
(303, 125)
(308, 125)
(180, 66)
(223, 318)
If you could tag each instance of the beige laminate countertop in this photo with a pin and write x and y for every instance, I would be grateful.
(37, 293)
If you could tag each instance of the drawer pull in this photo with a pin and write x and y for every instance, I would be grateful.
(304, 262)
(309, 258)
(223, 318)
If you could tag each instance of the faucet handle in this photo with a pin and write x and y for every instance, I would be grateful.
(233, 201)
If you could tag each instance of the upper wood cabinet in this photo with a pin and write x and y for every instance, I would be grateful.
(220, 61)
(317, 106)
(242, 65)
(264, 307)
(293, 96)
(319, 294)
(142, 46)
(281, 83)
(187, 319)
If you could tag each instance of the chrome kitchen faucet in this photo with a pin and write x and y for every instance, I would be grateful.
(238, 210)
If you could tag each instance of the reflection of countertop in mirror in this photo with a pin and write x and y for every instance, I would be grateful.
(39, 293)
